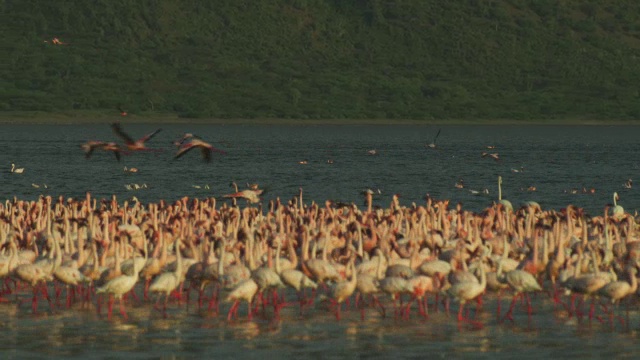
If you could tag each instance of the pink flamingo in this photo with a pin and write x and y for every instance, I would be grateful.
(205, 149)
(133, 145)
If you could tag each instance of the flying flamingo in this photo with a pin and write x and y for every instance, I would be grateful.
(133, 145)
(205, 149)
(432, 145)
(92, 145)
(251, 195)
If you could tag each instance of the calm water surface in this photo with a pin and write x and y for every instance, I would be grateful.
(554, 159)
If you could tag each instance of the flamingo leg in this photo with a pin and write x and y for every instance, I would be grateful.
(122, 310)
(231, 310)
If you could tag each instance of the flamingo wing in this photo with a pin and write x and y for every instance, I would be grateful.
(206, 153)
(435, 138)
(124, 136)
(149, 136)
(184, 149)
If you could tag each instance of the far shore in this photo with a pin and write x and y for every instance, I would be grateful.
(73, 118)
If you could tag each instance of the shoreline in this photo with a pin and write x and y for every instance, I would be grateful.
(79, 118)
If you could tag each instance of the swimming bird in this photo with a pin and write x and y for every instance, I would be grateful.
(617, 211)
(205, 149)
(628, 184)
(130, 170)
(494, 156)
(92, 145)
(16, 170)
(133, 145)
(432, 145)
(372, 152)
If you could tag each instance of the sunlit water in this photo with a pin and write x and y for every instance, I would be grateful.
(554, 159)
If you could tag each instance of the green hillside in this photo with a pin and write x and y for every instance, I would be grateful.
(298, 59)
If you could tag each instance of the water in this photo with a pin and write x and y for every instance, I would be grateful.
(554, 159)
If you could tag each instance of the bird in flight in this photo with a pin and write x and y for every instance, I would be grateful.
(90, 146)
(184, 138)
(205, 149)
(432, 145)
(133, 145)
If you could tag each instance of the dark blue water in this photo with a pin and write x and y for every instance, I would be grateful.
(553, 158)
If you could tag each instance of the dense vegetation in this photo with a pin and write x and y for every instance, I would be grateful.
(409, 59)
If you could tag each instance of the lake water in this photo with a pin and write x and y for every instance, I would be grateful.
(554, 159)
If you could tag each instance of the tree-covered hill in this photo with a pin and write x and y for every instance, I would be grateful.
(409, 59)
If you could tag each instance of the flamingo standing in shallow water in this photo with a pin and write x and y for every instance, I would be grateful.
(468, 290)
(119, 286)
(168, 281)
(245, 290)
(133, 145)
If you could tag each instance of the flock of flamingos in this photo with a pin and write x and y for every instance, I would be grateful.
(294, 254)
(380, 261)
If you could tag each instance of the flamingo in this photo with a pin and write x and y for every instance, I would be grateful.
(133, 145)
(432, 145)
(205, 149)
(245, 290)
(251, 195)
(92, 145)
(168, 281)
(506, 203)
(121, 285)
(618, 290)
(468, 290)
(16, 170)
(342, 290)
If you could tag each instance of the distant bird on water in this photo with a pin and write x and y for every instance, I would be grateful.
(90, 146)
(133, 145)
(205, 149)
(494, 156)
(16, 170)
